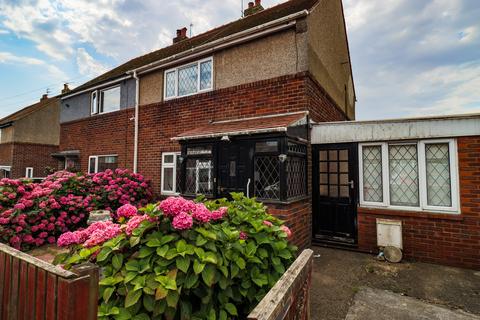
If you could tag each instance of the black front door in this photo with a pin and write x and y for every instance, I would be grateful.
(335, 192)
(233, 163)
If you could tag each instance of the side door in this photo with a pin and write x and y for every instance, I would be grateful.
(233, 167)
(335, 192)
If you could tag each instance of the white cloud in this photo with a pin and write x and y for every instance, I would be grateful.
(7, 57)
(4, 31)
(87, 65)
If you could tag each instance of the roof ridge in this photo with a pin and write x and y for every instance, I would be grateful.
(232, 27)
(34, 107)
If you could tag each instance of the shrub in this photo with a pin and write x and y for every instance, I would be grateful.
(33, 214)
(185, 260)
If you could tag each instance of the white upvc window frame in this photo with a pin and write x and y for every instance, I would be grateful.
(174, 167)
(96, 161)
(29, 172)
(422, 179)
(98, 107)
(175, 71)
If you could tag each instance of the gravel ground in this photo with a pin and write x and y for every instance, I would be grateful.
(339, 274)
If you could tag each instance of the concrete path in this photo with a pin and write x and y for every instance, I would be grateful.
(376, 304)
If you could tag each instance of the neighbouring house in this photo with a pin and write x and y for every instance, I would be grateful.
(28, 138)
(409, 183)
(225, 111)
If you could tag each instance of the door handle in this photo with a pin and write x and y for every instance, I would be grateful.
(248, 187)
(352, 184)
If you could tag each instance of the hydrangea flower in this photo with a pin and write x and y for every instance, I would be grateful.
(286, 230)
(201, 213)
(219, 214)
(135, 221)
(126, 211)
(173, 206)
(267, 223)
(182, 221)
(243, 235)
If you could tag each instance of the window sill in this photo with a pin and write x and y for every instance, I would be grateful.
(414, 214)
(286, 202)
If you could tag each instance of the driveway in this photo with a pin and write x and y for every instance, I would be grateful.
(342, 280)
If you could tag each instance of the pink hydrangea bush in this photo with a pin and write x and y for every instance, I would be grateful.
(170, 254)
(33, 214)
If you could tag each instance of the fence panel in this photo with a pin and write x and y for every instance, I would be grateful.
(289, 299)
(33, 289)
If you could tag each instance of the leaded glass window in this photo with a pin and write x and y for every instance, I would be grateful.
(267, 177)
(206, 75)
(439, 191)
(170, 84)
(199, 176)
(403, 175)
(372, 174)
(187, 80)
(296, 174)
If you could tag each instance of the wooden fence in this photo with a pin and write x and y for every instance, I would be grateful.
(289, 299)
(33, 289)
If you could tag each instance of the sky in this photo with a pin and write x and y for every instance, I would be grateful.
(409, 57)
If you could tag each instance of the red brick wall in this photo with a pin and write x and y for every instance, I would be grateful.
(33, 155)
(439, 238)
(113, 133)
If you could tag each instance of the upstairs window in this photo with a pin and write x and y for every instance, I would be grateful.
(102, 163)
(410, 176)
(104, 101)
(189, 79)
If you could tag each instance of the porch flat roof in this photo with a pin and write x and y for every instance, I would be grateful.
(246, 126)
(397, 129)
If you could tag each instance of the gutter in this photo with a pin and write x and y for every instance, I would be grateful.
(105, 84)
(135, 139)
(234, 39)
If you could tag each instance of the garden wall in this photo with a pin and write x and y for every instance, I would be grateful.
(451, 239)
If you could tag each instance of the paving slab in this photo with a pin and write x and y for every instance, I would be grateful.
(339, 274)
(376, 304)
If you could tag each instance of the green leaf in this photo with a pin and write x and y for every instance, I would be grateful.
(223, 315)
(207, 234)
(172, 299)
(190, 280)
(103, 255)
(166, 239)
(181, 246)
(162, 251)
(132, 298)
(141, 316)
(154, 242)
(200, 240)
(240, 263)
(285, 254)
(117, 261)
(145, 252)
(208, 275)
(129, 277)
(134, 241)
(251, 248)
(107, 293)
(210, 257)
(183, 263)
(161, 293)
(230, 307)
(198, 266)
(123, 314)
(148, 302)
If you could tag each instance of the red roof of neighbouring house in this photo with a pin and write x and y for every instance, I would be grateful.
(246, 126)
(259, 18)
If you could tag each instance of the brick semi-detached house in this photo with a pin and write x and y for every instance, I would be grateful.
(28, 138)
(265, 106)
(227, 110)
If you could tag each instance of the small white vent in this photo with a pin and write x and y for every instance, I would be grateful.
(389, 233)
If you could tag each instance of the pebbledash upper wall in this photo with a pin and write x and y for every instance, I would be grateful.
(317, 44)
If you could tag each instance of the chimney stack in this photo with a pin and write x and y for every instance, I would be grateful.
(253, 7)
(44, 97)
(65, 89)
(181, 35)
